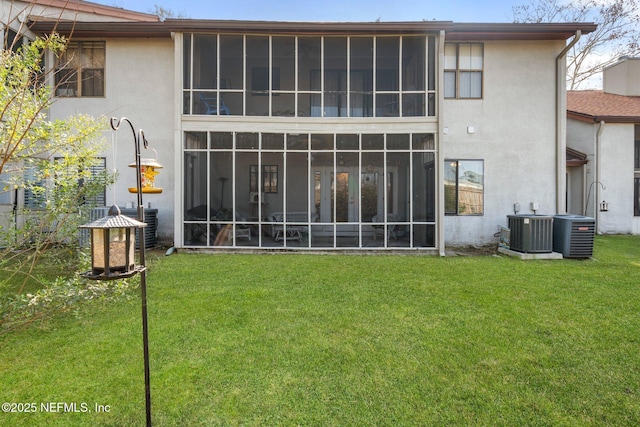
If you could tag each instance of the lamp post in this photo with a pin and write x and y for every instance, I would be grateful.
(113, 249)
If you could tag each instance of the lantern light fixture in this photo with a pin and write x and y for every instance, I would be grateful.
(113, 246)
(604, 206)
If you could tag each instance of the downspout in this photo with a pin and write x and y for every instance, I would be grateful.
(440, 154)
(596, 211)
(561, 126)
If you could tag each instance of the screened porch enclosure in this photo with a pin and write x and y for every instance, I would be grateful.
(309, 190)
(309, 76)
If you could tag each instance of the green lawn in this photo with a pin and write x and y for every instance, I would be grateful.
(301, 339)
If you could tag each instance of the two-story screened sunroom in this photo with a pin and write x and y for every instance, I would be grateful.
(321, 138)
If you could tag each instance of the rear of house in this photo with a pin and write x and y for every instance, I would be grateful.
(324, 136)
(604, 125)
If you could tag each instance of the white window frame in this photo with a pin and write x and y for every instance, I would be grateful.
(457, 69)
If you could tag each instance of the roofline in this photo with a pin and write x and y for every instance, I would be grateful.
(99, 9)
(291, 27)
(588, 118)
(102, 29)
(453, 31)
(460, 31)
(518, 31)
(576, 163)
(622, 59)
(576, 158)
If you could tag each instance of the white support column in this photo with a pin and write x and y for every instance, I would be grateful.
(439, 149)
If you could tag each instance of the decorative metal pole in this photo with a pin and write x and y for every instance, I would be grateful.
(137, 138)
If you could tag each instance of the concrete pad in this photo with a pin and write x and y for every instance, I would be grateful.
(529, 256)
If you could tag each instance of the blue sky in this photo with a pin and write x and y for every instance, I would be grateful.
(333, 10)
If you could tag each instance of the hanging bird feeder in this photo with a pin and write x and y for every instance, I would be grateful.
(113, 246)
(148, 172)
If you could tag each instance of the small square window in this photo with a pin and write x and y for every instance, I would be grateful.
(269, 178)
(463, 66)
(80, 70)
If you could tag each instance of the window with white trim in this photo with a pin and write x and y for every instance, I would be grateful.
(6, 189)
(80, 70)
(90, 186)
(463, 187)
(463, 70)
(35, 187)
(269, 178)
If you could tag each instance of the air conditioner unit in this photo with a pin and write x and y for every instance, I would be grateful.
(531, 233)
(150, 231)
(573, 235)
(94, 214)
(150, 218)
(97, 213)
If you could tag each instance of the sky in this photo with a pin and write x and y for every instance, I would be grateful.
(332, 10)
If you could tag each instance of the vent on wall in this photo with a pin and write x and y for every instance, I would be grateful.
(531, 233)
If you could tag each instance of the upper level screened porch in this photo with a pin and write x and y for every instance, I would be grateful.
(309, 76)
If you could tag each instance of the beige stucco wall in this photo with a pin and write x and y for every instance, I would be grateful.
(514, 134)
(623, 78)
(616, 174)
(581, 136)
(139, 86)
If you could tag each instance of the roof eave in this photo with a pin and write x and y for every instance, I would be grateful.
(453, 31)
(98, 9)
(517, 31)
(102, 29)
(289, 27)
(589, 118)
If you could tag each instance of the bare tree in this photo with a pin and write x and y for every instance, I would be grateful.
(618, 32)
(164, 13)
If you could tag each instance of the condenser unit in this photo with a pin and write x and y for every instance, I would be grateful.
(531, 233)
(150, 218)
(94, 214)
(150, 231)
(573, 235)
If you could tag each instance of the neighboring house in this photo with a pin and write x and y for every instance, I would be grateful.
(321, 136)
(605, 126)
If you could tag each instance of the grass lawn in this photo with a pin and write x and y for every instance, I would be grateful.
(301, 339)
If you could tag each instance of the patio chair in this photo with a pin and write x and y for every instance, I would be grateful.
(293, 231)
(211, 105)
(392, 229)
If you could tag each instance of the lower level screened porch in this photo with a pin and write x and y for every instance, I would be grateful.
(309, 190)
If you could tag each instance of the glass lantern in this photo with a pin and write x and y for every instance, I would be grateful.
(113, 246)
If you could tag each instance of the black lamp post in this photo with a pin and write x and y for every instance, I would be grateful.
(113, 250)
